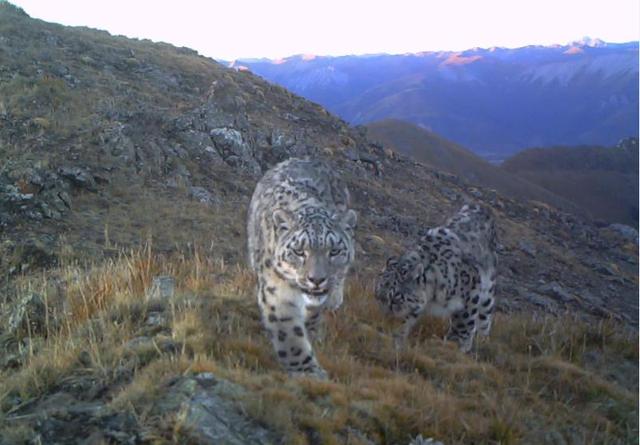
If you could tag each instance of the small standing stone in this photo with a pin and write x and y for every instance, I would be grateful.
(528, 248)
(419, 440)
(162, 288)
(29, 315)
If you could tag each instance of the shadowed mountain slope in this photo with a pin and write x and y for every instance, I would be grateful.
(603, 181)
(426, 146)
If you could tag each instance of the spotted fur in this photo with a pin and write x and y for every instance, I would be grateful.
(300, 244)
(451, 272)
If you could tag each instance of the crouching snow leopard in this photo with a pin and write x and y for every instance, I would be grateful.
(451, 272)
(300, 239)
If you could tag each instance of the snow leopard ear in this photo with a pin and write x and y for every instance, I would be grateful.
(282, 220)
(417, 271)
(349, 219)
(414, 264)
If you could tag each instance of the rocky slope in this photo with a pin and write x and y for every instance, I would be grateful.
(164, 136)
(109, 143)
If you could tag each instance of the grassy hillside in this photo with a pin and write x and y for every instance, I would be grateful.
(525, 384)
(603, 181)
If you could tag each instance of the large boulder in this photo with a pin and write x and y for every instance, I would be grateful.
(233, 148)
(79, 177)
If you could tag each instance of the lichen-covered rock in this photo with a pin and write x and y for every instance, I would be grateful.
(114, 142)
(202, 195)
(419, 440)
(540, 301)
(234, 150)
(79, 177)
(556, 291)
(162, 288)
(208, 414)
(199, 141)
(32, 194)
(29, 316)
(528, 248)
(625, 231)
(26, 254)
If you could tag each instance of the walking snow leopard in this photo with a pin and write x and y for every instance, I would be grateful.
(451, 272)
(300, 240)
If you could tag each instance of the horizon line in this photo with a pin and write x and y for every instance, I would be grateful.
(312, 56)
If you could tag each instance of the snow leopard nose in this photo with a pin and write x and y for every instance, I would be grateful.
(317, 281)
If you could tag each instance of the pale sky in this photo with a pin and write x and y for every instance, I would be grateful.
(279, 28)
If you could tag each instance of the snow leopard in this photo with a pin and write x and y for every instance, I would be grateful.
(300, 234)
(450, 272)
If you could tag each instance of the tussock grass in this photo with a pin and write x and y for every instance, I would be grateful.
(533, 377)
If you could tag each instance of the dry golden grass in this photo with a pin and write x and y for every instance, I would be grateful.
(534, 376)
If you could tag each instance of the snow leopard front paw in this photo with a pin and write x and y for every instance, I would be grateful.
(316, 372)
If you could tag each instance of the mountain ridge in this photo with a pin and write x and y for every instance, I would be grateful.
(585, 42)
(496, 103)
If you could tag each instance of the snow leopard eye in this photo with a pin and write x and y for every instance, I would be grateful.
(335, 252)
(299, 252)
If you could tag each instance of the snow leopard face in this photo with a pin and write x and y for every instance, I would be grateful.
(314, 248)
(397, 285)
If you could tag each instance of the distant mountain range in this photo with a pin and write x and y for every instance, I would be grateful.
(495, 101)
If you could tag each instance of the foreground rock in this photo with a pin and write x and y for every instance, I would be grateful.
(203, 407)
(207, 414)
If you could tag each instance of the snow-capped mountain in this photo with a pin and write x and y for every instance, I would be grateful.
(495, 101)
